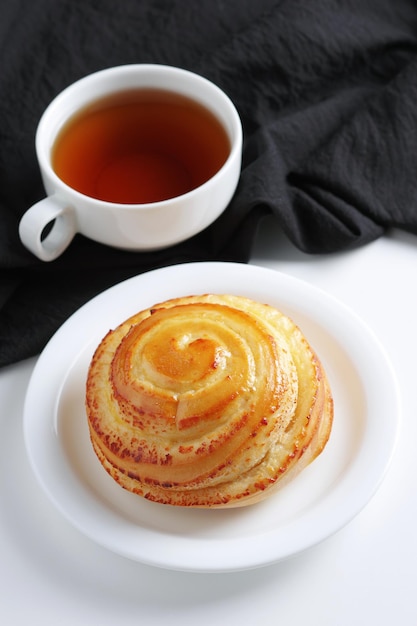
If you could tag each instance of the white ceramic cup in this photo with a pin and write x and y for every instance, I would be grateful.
(150, 226)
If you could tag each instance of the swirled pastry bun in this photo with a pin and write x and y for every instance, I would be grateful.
(207, 401)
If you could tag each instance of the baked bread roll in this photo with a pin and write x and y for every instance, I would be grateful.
(207, 401)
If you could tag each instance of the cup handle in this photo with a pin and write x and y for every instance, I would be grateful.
(50, 212)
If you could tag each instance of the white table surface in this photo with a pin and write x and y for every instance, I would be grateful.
(50, 574)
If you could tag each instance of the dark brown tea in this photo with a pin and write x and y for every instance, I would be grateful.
(140, 146)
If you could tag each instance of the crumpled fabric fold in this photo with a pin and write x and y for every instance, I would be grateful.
(327, 94)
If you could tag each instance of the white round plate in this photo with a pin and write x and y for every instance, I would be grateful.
(317, 503)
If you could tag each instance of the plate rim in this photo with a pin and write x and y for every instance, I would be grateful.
(236, 561)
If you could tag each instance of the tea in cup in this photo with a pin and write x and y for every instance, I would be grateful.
(138, 157)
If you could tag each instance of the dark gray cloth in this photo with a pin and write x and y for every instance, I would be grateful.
(327, 93)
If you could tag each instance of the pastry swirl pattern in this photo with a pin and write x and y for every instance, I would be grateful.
(207, 401)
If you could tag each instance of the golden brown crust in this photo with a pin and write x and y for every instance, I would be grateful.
(207, 401)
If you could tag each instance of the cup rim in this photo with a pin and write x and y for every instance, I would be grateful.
(43, 150)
